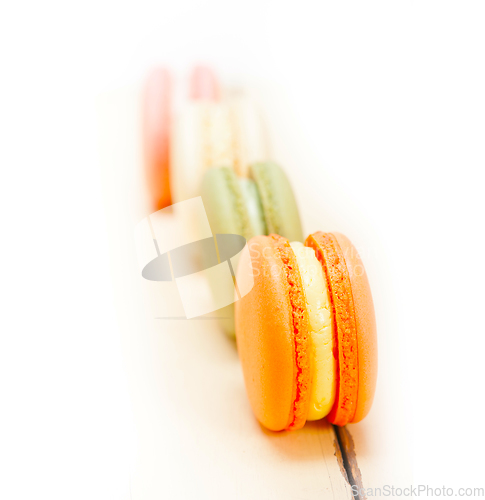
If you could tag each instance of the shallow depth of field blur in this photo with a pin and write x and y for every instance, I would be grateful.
(378, 106)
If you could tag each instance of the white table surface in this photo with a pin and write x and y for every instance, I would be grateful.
(196, 434)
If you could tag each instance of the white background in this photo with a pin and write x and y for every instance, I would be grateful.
(388, 98)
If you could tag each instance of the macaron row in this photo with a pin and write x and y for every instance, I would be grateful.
(261, 203)
(306, 331)
(210, 127)
(213, 144)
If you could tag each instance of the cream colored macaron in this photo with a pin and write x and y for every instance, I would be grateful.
(214, 134)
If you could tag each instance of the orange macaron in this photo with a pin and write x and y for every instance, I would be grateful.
(306, 332)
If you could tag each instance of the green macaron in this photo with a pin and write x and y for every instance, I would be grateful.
(278, 201)
(261, 204)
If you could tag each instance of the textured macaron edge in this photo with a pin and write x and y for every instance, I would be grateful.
(329, 254)
(301, 334)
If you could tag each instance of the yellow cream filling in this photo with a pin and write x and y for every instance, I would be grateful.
(322, 362)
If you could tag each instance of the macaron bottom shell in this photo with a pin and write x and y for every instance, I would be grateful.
(365, 322)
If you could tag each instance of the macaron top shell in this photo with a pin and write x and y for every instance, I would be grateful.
(365, 322)
(278, 201)
(272, 336)
(328, 252)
